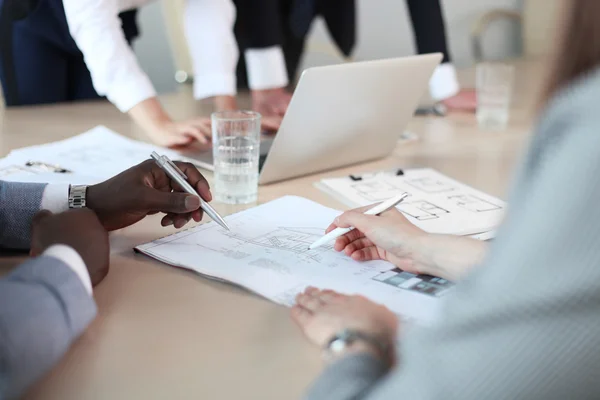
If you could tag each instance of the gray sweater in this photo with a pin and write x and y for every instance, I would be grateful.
(526, 323)
(44, 306)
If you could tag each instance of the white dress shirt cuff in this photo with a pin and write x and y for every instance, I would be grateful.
(126, 95)
(444, 83)
(55, 198)
(214, 85)
(266, 68)
(73, 260)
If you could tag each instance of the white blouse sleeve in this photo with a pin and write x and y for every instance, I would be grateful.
(96, 28)
(213, 48)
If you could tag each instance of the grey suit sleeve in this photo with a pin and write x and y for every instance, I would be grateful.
(525, 324)
(44, 307)
(349, 378)
(19, 202)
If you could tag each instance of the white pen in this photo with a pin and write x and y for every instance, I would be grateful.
(378, 209)
(178, 176)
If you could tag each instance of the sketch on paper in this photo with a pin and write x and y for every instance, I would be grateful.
(422, 210)
(473, 203)
(424, 284)
(289, 239)
(437, 204)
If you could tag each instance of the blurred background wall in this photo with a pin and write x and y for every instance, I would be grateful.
(384, 31)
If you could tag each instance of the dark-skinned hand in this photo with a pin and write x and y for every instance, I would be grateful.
(78, 229)
(146, 189)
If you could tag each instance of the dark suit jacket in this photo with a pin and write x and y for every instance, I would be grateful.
(285, 23)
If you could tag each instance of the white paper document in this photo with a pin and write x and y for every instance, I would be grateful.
(13, 170)
(436, 203)
(92, 157)
(267, 252)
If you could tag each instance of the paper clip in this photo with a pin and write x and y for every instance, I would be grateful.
(47, 167)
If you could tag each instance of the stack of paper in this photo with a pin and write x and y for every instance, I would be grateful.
(267, 252)
(92, 157)
(437, 203)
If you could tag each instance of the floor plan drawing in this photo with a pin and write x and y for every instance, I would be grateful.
(290, 239)
(422, 210)
(474, 203)
(437, 203)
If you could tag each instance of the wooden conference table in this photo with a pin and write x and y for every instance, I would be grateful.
(164, 333)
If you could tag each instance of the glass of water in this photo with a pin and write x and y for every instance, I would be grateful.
(494, 92)
(236, 147)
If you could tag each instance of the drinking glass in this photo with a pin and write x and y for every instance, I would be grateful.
(494, 92)
(236, 147)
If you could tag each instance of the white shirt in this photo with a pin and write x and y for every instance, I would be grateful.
(116, 73)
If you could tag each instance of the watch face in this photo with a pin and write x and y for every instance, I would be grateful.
(77, 194)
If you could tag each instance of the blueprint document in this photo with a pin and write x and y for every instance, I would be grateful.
(266, 251)
(436, 203)
(92, 157)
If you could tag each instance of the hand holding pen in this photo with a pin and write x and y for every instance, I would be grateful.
(334, 233)
(387, 236)
(144, 190)
(181, 179)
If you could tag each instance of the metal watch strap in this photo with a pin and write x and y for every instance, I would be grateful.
(344, 339)
(77, 195)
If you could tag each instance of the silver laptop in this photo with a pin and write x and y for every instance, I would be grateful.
(343, 114)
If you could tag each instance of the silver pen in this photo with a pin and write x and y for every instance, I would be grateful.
(178, 176)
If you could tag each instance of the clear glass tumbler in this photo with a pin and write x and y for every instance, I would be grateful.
(236, 149)
(494, 92)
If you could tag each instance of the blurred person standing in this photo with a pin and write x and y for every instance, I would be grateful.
(66, 50)
(272, 34)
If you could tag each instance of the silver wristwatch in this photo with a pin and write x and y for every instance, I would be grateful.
(342, 341)
(77, 195)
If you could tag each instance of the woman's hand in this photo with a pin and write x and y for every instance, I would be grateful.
(389, 237)
(150, 115)
(321, 314)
